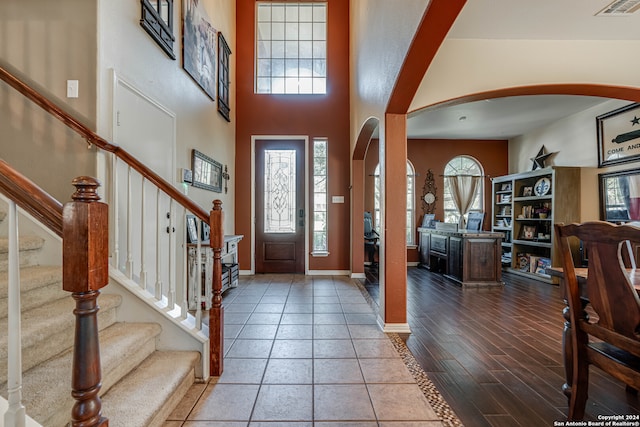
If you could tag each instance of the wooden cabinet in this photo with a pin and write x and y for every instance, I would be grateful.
(471, 258)
(525, 207)
(229, 270)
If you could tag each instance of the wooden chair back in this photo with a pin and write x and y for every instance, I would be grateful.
(610, 292)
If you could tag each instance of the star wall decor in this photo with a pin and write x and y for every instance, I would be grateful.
(540, 158)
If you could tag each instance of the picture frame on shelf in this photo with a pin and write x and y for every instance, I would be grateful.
(618, 136)
(505, 187)
(528, 232)
(527, 191)
(428, 221)
(192, 229)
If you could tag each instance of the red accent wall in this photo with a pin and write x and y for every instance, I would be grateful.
(434, 154)
(311, 115)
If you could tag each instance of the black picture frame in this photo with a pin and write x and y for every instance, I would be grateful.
(192, 229)
(207, 173)
(619, 135)
(156, 17)
(224, 79)
(618, 203)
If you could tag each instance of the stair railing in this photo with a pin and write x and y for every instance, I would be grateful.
(23, 193)
(167, 198)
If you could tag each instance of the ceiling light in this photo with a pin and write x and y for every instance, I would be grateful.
(620, 8)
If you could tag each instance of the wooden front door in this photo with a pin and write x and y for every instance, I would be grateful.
(280, 215)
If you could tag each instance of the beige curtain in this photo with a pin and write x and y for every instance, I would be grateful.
(463, 188)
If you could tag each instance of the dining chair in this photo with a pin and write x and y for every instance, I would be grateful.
(610, 339)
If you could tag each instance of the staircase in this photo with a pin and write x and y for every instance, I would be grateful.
(140, 384)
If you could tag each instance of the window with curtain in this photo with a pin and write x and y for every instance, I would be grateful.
(410, 201)
(463, 166)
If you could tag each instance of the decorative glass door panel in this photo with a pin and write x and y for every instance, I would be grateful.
(280, 191)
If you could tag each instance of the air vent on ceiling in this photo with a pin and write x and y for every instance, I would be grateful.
(620, 8)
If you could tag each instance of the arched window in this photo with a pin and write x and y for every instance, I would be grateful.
(410, 201)
(462, 165)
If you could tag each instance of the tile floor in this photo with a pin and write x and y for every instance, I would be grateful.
(304, 351)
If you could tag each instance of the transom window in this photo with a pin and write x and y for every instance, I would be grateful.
(410, 201)
(461, 165)
(291, 48)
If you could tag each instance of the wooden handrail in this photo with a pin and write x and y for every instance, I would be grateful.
(26, 194)
(92, 138)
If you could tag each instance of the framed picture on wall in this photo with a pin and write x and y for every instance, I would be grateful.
(199, 46)
(619, 135)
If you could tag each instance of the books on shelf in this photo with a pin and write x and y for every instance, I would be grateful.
(542, 264)
(532, 263)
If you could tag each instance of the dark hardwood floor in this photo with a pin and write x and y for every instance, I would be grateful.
(495, 354)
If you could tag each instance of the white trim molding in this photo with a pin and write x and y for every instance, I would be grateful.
(358, 276)
(393, 328)
(328, 273)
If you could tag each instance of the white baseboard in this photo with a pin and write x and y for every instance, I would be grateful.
(245, 273)
(358, 276)
(413, 264)
(328, 273)
(397, 328)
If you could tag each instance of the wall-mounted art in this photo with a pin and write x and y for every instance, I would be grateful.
(199, 46)
(224, 81)
(207, 173)
(620, 196)
(619, 135)
(157, 20)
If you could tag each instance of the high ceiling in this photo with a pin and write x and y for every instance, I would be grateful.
(505, 118)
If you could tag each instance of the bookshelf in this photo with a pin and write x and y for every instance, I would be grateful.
(525, 207)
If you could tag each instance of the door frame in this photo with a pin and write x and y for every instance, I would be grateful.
(304, 138)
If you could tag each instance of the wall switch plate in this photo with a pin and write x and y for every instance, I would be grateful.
(337, 199)
(72, 88)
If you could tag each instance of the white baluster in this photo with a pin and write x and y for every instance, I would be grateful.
(198, 296)
(171, 297)
(190, 286)
(143, 268)
(116, 214)
(15, 415)
(129, 227)
(158, 290)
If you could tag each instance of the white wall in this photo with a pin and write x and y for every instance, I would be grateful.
(134, 56)
(381, 33)
(467, 66)
(574, 140)
(47, 43)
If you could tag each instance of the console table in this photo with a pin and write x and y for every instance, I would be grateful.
(229, 270)
(471, 258)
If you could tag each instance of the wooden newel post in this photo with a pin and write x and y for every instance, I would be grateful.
(216, 314)
(85, 269)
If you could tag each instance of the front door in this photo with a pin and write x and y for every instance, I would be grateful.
(280, 216)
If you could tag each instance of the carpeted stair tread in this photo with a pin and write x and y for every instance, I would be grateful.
(39, 285)
(41, 324)
(47, 386)
(26, 243)
(149, 394)
(33, 277)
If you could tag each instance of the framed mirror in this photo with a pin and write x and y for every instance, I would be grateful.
(207, 173)
(620, 196)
